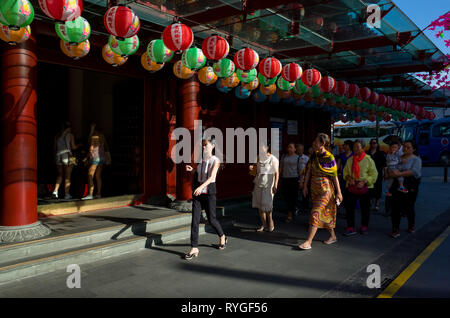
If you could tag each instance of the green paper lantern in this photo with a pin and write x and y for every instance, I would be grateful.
(124, 48)
(193, 58)
(158, 52)
(284, 85)
(246, 77)
(300, 88)
(224, 68)
(315, 91)
(75, 31)
(266, 81)
(16, 14)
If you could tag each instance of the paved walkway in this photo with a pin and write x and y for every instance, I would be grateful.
(432, 278)
(259, 264)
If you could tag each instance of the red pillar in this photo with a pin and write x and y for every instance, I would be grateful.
(190, 110)
(18, 204)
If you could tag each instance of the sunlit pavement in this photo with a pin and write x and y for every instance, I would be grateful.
(269, 264)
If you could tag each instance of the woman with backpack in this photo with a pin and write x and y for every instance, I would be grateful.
(64, 144)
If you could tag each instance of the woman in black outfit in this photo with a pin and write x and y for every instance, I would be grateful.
(380, 162)
(204, 195)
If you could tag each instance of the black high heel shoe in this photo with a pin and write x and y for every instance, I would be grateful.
(190, 255)
(223, 246)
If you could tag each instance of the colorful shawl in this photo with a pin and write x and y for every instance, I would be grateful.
(355, 166)
(325, 163)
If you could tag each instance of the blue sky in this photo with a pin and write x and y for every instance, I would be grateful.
(423, 12)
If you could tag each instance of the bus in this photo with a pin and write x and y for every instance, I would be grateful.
(432, 138)
(364, 131)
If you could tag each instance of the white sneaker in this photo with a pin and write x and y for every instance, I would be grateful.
(67, 197)
(88, 197)
(55, 195)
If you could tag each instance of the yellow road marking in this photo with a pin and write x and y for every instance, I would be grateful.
(413, 267)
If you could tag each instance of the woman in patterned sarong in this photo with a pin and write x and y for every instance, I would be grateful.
(325, 191)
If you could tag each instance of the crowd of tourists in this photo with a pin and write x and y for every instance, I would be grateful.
(319, 183)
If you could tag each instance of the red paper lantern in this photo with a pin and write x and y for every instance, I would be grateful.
(358, 119)
(387, 117)
(372, 117)
(402, 106)
(342, 88)
(396, 104)
(215, 48)
(409, 108)
(353, 91)
(389, 101)
(178, 37)
(62, 10)
(270, 67)
(382, 100)
(373, 98)
(122, 22)
(416, 110)
(327, 84)
(365, 93)
(291, 72)
(246, 59)
(423, 112)
(311, 77)
(432, 116)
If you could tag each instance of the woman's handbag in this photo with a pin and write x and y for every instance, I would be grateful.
(357, 190)
(73, 161)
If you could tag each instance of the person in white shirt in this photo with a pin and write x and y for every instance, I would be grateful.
(204, 194)
(266, 184)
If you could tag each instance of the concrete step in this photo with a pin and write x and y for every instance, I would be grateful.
(58, 260)
(17, 251)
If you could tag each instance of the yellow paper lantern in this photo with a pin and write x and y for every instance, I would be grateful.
(284, 94)
(112, 58)
(252, 85)
(14, 37)
(207, 76)
(268, 90)
(75, 51)
(231, 81)
(182, 71)
(149, 64)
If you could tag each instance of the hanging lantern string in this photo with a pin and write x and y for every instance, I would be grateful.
(214, 28)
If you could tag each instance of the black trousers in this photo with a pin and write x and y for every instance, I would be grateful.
(350, 207)
(208, 202)
(290, 192)
(404, 202)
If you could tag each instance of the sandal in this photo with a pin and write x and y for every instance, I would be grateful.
(304, 248)
(190, 256)
(329, 242)
(223, 246)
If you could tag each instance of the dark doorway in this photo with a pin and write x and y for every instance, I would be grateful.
(113, 103)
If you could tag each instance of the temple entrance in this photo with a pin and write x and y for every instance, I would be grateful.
(81, 97)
